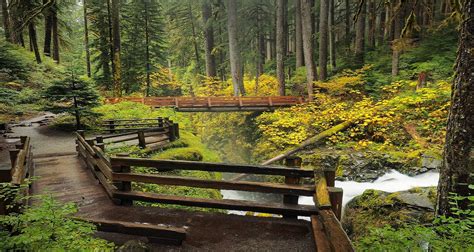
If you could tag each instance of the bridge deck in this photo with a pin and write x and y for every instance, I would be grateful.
(215, 104)
(68, 180)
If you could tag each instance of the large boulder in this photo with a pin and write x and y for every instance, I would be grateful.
(377, 208)
(367, 166)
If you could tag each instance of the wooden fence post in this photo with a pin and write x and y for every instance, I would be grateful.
(124, 186)
(171, 132)
(160, 122)
(111, 126)
(176, 130)
(294, 162)
(141, 140)
(335, 194)
(100, 142)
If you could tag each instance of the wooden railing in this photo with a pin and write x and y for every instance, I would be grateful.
(21, 167)
(214, 102)
(146, 131)
(116, 176)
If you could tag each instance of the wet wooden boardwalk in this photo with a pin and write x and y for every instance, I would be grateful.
(68, 180)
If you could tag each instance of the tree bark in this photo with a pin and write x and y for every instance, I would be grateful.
(298, 35)
(347, 17)
(458, 158)
(372, 17)
(332, 36)
(311, 74)
(195, 39)
(117, 75)
(55, 34)
(208, 39)
(34, 41)
(86, 40)
(379, 26)
(360, 35)
(147, 51)
(280, 46)
(234, 50)
(260, 47)
(323, 39)
(6, 21)
(397, 23)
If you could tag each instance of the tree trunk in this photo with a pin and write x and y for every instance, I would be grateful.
(86, 40)
(379, 26)
(34, 41)
(458, 158)
(147, 50)
(234, 50)
(298, 35)
(208, 39)
(260, 47)
(280, 46)
(117, 75)
(323, 39)
(195, 39)
(360, 35)
(55, 34)
(332, 36)
(6, 21)
(372, 22)
(347, 17)
(397, 23)
(308, 46)
(48, 31)
(111, 37)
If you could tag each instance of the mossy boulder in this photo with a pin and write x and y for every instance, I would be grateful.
(369, 165)
(377, 208)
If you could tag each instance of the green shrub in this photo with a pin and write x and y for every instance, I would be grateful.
(47, 226)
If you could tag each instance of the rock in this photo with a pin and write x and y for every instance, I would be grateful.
(367, 166)
(134, 246)
(377, 208)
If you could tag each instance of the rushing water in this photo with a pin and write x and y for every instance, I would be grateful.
(390, 182)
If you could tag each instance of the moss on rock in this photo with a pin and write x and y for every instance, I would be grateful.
(377, 208)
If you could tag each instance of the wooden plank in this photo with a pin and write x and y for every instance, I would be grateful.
(339, 240)
(242, 205)
(18, 170)
(319, 235)
(321, 197)
(213, 167)
(216, 184)
(162, 234)
(335, 196)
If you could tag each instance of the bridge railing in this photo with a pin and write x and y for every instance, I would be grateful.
(116, 176)
(146, 131)
(217, 101)
(21, 167)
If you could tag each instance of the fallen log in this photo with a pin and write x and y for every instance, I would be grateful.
(310, 141)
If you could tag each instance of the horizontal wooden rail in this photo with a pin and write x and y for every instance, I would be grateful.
(212, 167)
(216, 184)
(242, 205)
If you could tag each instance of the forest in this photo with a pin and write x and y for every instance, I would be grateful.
(381, 91)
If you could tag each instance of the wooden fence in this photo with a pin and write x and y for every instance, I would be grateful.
(116, 176)
(146, 131)
(21, 167)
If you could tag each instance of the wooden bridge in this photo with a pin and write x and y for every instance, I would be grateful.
(216, 104)
(103, 187)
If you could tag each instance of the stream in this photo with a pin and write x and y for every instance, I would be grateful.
(392, 181)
